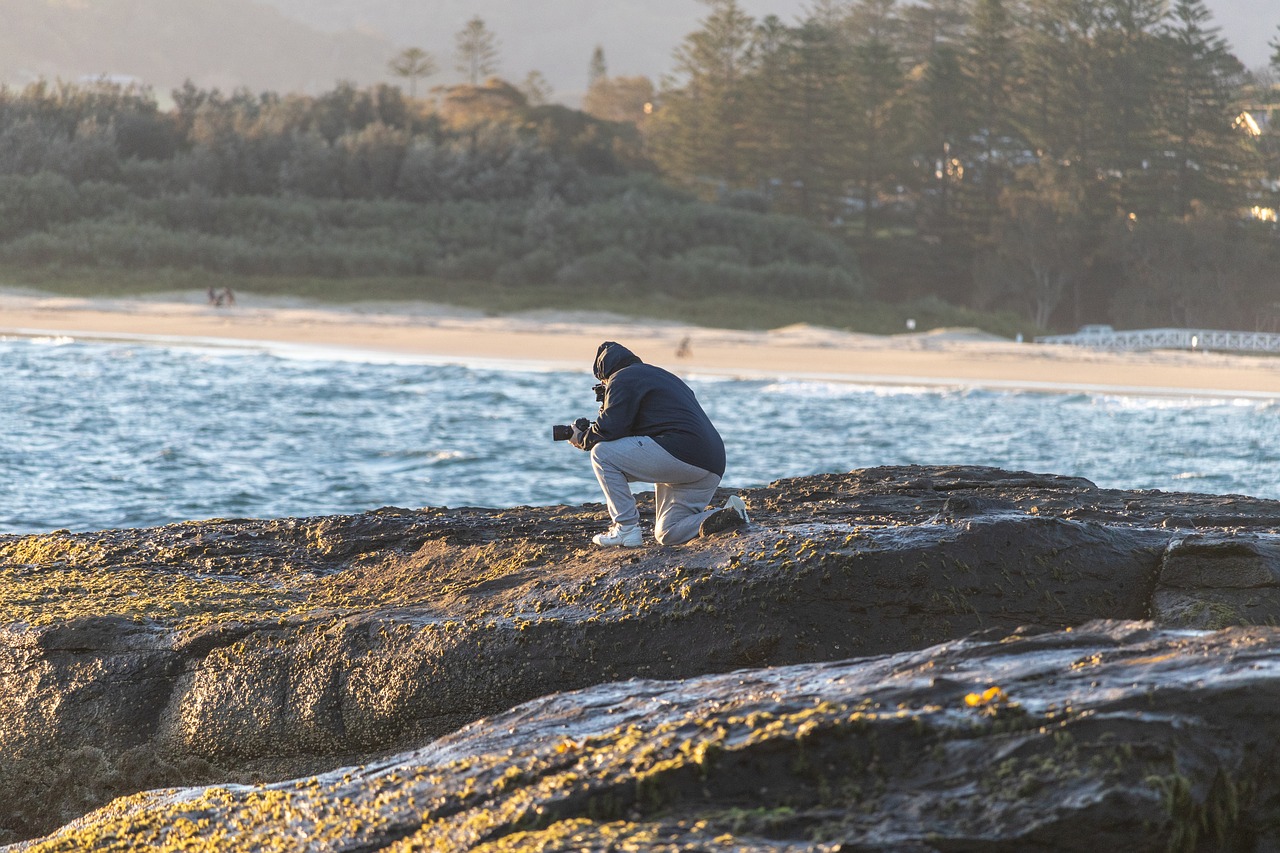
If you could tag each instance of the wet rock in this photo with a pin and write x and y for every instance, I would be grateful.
(1240, 561)
(242, 651)
(1114, 736)
(1212, 581)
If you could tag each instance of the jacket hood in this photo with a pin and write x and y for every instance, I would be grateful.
(612, 357)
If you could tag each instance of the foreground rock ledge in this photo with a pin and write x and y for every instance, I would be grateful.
(254, 651)
(1115, 736)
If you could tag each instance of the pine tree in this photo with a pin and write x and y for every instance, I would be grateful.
(932, 33)
(536, 89)
(477, 51)
(930, 25)
(1209, 162)
(700, 133)
(876, 122)
(1128, 68)
(944, 126)
(597, 71)
(828, 13)
(413, 63)
(798, 103)
(1060, 109)
(989, 62)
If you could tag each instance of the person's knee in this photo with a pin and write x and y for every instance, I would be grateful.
(598, 463)
(663, 535)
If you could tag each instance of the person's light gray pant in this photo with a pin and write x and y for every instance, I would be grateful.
(681, 490)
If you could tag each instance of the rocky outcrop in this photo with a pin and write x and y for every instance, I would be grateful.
(1114, 736)
(246, 652)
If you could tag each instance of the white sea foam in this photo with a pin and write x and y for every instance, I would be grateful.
(1137, 402)
(345, 355)
(838, 390)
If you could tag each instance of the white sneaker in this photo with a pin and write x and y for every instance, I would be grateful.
(728, 517)
(739, 506)
(619, 536)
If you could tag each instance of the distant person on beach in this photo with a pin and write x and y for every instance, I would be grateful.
(221, 297)
(684, 350)
(651, 429)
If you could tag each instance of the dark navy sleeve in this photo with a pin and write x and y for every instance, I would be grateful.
(618, 414)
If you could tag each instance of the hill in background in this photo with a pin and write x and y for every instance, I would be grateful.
(308, 45)
(555, 39)
(222, 44)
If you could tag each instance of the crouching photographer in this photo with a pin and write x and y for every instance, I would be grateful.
(651, 429)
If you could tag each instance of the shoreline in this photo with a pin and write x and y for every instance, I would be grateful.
(421, 332)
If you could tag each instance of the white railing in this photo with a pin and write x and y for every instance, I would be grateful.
(1103, 337)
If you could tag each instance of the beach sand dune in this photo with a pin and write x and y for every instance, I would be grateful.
(568, 340)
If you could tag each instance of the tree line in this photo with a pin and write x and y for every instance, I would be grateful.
(1055, 154)
(1078, 160)
(478, 185)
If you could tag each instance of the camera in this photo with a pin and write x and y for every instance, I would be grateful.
(564, 432)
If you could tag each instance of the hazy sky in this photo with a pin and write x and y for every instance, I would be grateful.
(1249, 25)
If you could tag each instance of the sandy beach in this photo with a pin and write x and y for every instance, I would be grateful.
(560, 340)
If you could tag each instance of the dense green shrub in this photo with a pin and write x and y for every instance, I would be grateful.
(478, 263)
(613, 267)
(703, 274)
(98, 200)
(142, 246)
(35, 203)
(627, 243)
(787, 277)
(355, 183)
(536, 268)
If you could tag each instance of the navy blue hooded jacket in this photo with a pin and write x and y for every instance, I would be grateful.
(641, 399)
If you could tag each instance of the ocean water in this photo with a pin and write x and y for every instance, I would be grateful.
(103, 435)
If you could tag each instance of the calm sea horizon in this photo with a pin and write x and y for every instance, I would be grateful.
(102, 435)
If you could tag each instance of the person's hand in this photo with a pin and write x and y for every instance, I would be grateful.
(578, 435)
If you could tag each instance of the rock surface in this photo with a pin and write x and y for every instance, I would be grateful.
(1114, 736)
(241, 652)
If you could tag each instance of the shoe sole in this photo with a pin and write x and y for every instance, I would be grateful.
(721, 520)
